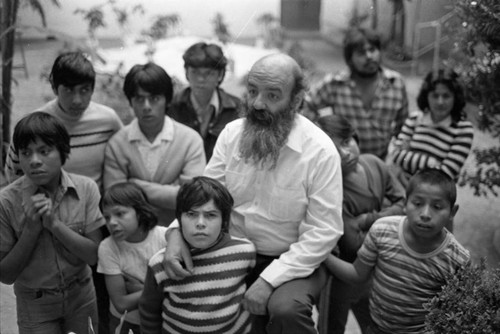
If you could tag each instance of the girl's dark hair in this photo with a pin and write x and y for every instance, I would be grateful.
(71, 69)
(356, 38)
(130, 194)
(435, 177)
(201, 190)
(150, 77)
(45, 127)
(337, 126)
(450, 79)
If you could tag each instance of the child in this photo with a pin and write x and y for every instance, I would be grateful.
(89, 124)
(370, 192)
(49, 232)
(124, 255)
(209, 300)
(410, 256)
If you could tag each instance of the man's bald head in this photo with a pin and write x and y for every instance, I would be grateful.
(283, 69)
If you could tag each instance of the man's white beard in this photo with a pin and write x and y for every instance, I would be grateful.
(263, 137)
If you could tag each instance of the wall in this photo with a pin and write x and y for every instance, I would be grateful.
(196, 16)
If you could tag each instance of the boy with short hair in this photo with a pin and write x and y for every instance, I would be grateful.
(49, 232)
(204, 106)
(209, 301)
(153, 151)
(89, 124)
(410, 256)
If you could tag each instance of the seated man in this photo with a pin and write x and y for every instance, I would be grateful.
(284, 175)
(153, 151)
(204, 106)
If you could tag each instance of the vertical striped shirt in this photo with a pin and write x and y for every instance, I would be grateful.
(444, 145)
(375, 126)
(209, 301)
(403, 280)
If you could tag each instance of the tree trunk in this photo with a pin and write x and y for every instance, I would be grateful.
(8, 20)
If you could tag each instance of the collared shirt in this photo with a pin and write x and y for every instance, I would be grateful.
(292, 211)
(374, 126)
(76, 204)
(152, 152)
(205, 114)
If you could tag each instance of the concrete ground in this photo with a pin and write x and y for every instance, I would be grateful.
(474, 224)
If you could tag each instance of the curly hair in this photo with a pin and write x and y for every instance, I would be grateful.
(131, 195)
(450, 79)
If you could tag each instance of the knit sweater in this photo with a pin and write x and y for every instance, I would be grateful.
(88, 133)
(445, 145)
(183, 160)
(209, 301)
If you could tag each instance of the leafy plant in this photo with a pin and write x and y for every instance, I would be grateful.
(469, 303)
(221, 28)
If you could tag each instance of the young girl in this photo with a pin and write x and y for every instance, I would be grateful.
(209, 301)
(124, 255)
(437, 135)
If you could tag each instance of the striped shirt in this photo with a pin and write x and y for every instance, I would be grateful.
(89, 134)
(444, 145)
(403, 280)
(209, 301)
(375, 126)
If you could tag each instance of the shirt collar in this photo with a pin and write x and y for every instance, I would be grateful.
(30, 189)
(214, 101)
(166, 133)
(294, 140)
(426, 119)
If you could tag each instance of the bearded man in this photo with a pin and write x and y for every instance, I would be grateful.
(284, 174)
(373, 99)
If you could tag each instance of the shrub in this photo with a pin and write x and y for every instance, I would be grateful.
(468, 303)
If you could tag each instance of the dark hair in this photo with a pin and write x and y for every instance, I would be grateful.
(300, 84)
(71, 69)
(205, 55)
(45, 127)
(201, 190)
(450, 79)
(337, 126)
(131, 195)
(356, 38)
(150, 77)
(435, 177)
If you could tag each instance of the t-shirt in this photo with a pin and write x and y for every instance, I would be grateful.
(129, 259)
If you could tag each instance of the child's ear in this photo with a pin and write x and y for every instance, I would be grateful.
(453, 211)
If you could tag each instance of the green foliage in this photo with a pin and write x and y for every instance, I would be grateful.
(486, 178)
(221, 28)
(468, 303)
(161, 25)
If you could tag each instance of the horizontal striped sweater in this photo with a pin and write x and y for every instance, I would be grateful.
(443, 146)
(209, 301)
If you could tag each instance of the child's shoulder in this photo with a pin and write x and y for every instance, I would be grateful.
(242, 242)
(157, 258)
(391, 223)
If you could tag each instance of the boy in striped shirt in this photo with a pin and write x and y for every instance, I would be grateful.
(409, 256)
(209, 301)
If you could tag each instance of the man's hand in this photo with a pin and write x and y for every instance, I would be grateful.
(257, 296)
(177, 253)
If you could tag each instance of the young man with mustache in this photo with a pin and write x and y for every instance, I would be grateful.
(284, 174)
(372, 98)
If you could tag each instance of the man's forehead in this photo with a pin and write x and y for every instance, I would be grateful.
(270, 78)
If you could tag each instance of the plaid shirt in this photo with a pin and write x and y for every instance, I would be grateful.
(374, 127)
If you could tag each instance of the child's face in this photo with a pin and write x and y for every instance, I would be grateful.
(74, 100)
(441, 101)
(122, 223)
(428, 210)
(41, 163)
(349, 153)
(201, 226)
(148, 108)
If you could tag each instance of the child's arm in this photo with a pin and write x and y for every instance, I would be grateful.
(13, 262)
(356, 272)
(118, 294)
(83, 246)
(150, 305)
